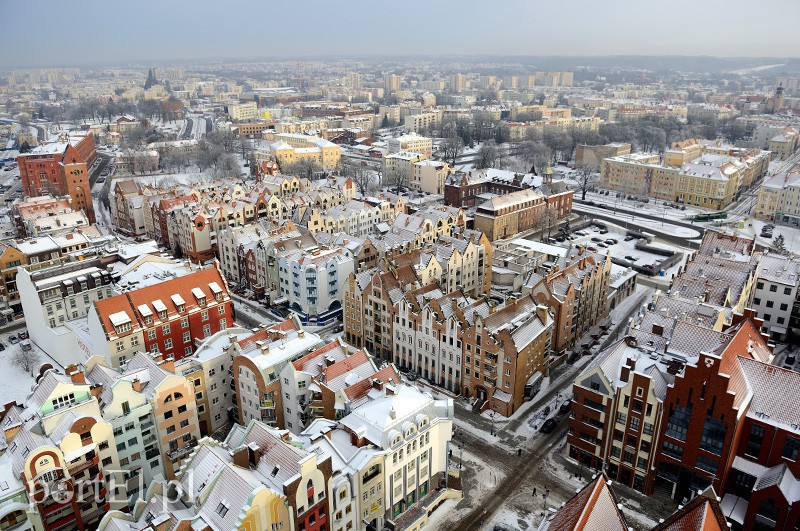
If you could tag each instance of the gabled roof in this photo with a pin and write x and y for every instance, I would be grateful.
(703, 513)
(592, 508)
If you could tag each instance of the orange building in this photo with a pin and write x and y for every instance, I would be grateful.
(58, 169)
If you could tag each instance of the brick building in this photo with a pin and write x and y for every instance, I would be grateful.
(167, 317)
(59, 169)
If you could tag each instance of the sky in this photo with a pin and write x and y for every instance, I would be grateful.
(94, 31)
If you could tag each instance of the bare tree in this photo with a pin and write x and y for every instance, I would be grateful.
(27, 360)
(586, 175)
(395, 178)
(536, 155)
(486, 157)
(451, 147)
(307, 168)
(362, 176)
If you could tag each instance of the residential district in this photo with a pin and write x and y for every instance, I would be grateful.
(382, 295)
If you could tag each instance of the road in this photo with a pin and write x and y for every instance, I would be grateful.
(187, 131)
(524, 473)
(520, 476)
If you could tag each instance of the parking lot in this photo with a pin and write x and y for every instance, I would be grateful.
(606, 237)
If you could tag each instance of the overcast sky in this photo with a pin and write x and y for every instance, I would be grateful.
(87, 31)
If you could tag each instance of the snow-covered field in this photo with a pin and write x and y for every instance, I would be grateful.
(16, 383)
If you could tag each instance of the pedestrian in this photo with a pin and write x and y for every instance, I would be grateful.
(534, 491)
(519, 452)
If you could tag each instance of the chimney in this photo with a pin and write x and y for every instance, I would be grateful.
(630, 341)
(241, 457)
(377, 384)
(301, 333)
(137, 385)
(541, 312)
(168, 364)
(96, 390)
(75, 374)
(624, 373)
(658, 330)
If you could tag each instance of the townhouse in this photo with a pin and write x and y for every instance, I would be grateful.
(64, 453)
(199, 305)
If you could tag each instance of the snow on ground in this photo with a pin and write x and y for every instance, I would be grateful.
(16, 383)
(621, 249)
(751, 227)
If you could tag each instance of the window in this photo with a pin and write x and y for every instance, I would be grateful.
(165, 329)
(185, 423)
(706, 464)
(773, 288)
(222, 510)
(170, 429)
(151, 335)
(787, 291)
(168, 343)
(634, 425)
(713, 436)
(185, 322)
(678, 423)
(673, 450)
(64, 401)
(167, 415)
(134, 340)
(790, 448)
(126, 408)
(206, 330)
(770, 304)
(221, 310)
(204, 315)
(753, 446)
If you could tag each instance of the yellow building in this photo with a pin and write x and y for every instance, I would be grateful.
(292, 148)
(784, 144)
(429, 176)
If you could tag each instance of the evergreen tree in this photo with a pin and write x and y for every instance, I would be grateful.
(385, 122)
(151, 79)
(779, 245)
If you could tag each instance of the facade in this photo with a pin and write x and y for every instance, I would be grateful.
(243, 111)
(59, 169)
(197, 306)
(64, 453)
(289, 149)
(415, 123)
(429, 176)
(410, 142)
(257, 364)
(778, 198)
(775, 297)
(508, 215)
(56, 298)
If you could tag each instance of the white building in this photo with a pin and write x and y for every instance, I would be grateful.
(410, 142)
(312, 281)
(125, 404)
(777, 278)
(413, 430)
(56, 301)
(243, 111)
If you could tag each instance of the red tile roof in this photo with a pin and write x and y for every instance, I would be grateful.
(185, 287)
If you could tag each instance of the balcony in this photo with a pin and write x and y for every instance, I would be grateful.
(150, 454)
(186, 450)
(146, 425)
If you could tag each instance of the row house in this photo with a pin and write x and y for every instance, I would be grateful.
(576, 290)
(64, 453)
(320, 384)
(168, 317)
(128, 206)
(170, 429)
(358, 218)
(369, 300)
(257, 364)
(677, 408)
(428, 332)
(362, 250)
(302, 477)
(125, 403)
(210, 369)
(235, 244)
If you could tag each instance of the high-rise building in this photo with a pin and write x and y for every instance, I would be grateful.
(391, 83)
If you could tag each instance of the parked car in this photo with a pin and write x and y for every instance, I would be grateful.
(564, 408)
(23, 334)
(766, 235)
(13, 340)
(596, 239)
(2, 347)
(610, 241)
(549, 425)
(603, 245)
(603, 231)
(630, 258)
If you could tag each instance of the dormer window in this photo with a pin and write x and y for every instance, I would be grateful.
(162, 315)
(64, 401)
